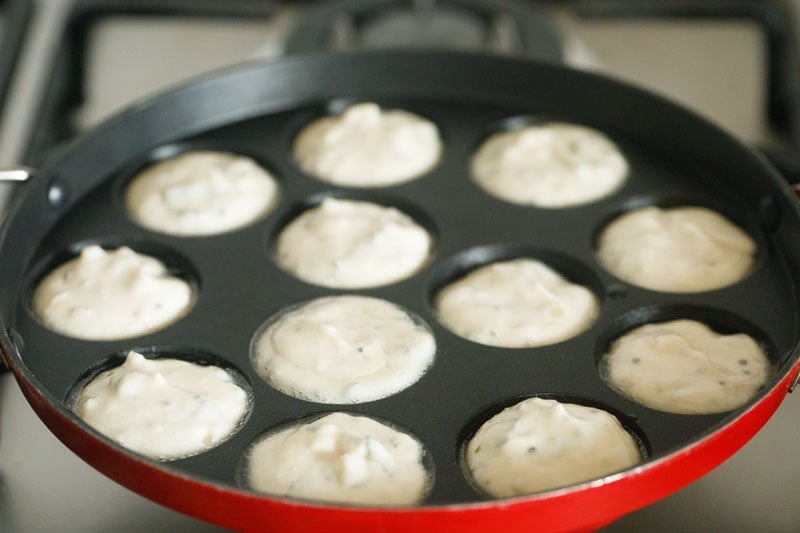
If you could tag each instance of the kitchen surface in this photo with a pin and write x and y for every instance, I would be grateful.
(80, 62)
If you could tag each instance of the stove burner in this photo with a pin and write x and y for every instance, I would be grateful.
(414, 28)
(500, 26)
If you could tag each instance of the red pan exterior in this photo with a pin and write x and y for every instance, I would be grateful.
(582, 508)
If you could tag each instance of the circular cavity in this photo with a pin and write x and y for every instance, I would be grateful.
(366, 146)
(549, 165)
(542, 444)
(343, 349)
(681, 249)
(517, 303)
(163, 408)
(108, 295)
(200, 193)
(683, 366)
(340, 458)
(352, 244)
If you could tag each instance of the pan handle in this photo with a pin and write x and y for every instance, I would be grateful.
(15, 174)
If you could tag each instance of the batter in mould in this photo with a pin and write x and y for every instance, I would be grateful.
(163, 408)
(683, 366)
(549, 165)
(200, 193)
(343, 349)
(682, 249)
(538, 445)
(516, 304)
(366, 146)
(340, 458)
(105, 295)
(352, 244)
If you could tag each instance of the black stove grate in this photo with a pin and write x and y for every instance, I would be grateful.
(15, 17)
(64, 93)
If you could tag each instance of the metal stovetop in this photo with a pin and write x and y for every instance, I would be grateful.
(44, 487)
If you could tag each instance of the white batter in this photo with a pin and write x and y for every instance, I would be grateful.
(343, 349)
(340, 458)
(201, 193)
(163, 408)
(366, 146)
(538, 445)
(352, 244)
(685, 249)
(684, 367)
(516, 304)
(549, 165)
(106, 295)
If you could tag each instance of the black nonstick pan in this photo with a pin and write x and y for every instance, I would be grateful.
(256, 109)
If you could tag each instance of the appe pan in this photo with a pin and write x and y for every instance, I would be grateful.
(256, 109)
